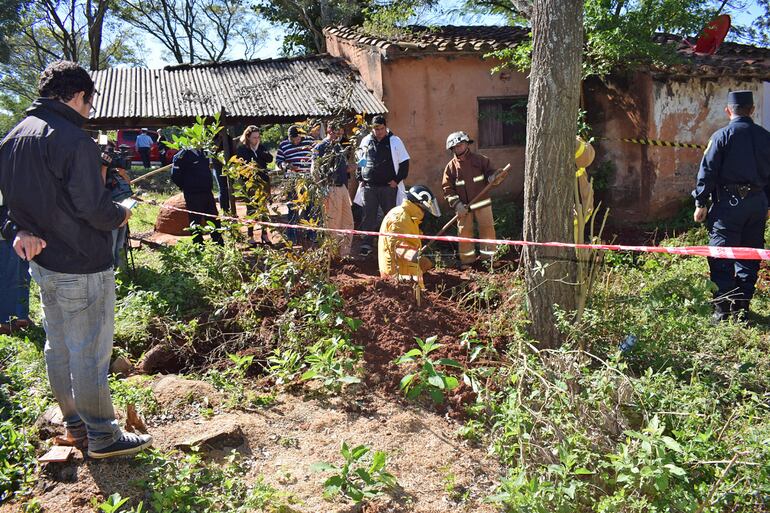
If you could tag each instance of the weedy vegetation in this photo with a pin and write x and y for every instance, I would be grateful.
(361, 476)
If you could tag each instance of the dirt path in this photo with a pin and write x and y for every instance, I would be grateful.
(282, 442)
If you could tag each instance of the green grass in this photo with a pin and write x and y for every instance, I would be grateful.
(144, 215)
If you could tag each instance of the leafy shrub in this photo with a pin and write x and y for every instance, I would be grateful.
(580, 434)
(428, 379)
(357, 478)
(17, 460)
(137, 391)
(332, 360)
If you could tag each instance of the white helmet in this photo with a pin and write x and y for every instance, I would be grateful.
(456, 138)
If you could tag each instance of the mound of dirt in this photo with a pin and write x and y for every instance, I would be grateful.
(173, 222)
(392, 320)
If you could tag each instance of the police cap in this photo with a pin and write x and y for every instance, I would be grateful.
(740, 98)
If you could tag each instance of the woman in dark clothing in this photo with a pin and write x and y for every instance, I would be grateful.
(251, 150)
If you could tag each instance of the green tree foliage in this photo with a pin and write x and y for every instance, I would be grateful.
(304, 20)
(47, 32)
(759, 32)
(620, 33)
(9, 20)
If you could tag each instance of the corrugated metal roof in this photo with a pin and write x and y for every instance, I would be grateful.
(448, 38)
(268, 90)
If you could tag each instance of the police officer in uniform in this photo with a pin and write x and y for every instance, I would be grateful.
(192, 173)
(734, 177)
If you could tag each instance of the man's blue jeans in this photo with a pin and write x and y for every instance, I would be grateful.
(79, 320)
(14, 284)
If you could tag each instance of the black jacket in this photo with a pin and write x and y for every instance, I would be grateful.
(736, 154)
(379, 169)
(51, 183)
(192, 171)
(262, 157)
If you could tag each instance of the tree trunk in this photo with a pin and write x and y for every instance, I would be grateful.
(95, 17)
(554, 84)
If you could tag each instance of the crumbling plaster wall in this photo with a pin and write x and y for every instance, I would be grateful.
(653, 182)
(687, 111)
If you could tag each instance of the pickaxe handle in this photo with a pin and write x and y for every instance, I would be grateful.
(452, 221)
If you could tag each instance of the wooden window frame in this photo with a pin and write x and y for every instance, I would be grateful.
(514, 131)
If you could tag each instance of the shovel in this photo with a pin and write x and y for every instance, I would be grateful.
(452, 221)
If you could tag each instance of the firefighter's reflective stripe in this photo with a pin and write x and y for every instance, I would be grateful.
(450, 199)
(487, 252)
(481, 204)
(469, 253)
(581, 148)
(460, 183)
(480, 178)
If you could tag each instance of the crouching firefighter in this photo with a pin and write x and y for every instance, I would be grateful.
(401, 257)
(465, 178)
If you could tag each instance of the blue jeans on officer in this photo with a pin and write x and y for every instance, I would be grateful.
(736, 222)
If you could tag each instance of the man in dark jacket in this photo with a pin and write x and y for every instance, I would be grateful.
(734, 176)
(192, 174)
(52, 186)
(385, 165)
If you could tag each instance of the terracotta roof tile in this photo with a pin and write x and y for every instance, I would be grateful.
(734, 59)
(448, 38)
(730, 59)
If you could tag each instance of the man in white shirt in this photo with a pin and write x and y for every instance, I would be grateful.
(385, 166)
(143, 145)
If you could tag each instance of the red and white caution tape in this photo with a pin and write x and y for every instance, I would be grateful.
(703, 251)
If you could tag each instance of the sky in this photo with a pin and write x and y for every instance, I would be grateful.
(272, 45)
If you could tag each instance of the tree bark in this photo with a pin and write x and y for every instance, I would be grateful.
(554, 90)
(95, 13)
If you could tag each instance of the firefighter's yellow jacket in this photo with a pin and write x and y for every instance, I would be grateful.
(404, 218)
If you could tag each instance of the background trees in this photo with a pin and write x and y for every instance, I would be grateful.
(196, 30)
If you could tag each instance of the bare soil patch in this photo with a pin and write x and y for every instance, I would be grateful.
(282, 442)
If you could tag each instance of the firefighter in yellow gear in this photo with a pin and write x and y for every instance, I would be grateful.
(401, 257)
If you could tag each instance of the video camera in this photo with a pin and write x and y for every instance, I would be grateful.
(115, 159)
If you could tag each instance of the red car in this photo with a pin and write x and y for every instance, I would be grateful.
(127, 138)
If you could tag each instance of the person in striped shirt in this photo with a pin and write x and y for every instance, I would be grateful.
(295, 155)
